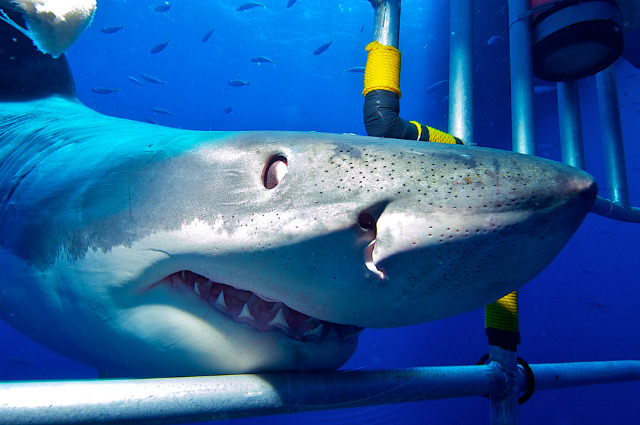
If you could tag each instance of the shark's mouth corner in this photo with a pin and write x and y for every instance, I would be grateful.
(260, 314)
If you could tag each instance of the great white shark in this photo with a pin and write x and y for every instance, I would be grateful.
(151, 251)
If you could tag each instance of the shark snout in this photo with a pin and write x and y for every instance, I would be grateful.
(583, 186)
(428, 247)
(565, 193)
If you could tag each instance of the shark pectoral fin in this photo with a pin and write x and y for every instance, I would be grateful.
(53, 26)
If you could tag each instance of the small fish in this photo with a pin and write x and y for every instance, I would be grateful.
(134, 80)
(544, 89)
(104, 90)
(239, 83)
(161, 111)
(228, 109)
(291, 3)
(435, 86)
(165, 6)
(111, 30)
(207, 36)
(598, 306)
(152, 79)
(262, 59)
(248, 6)
(361, 29)
(322, 48)
(355, 69)
(494, 39)
(445, 99)
(150, 120)
(159, 47)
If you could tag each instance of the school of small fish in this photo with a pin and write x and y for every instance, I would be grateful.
(164, 7)
(250, 8)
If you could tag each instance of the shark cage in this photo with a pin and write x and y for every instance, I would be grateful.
(537, 45)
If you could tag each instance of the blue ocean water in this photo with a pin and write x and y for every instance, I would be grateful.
(583, 307)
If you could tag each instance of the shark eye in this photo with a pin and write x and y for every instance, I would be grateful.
(274, 171)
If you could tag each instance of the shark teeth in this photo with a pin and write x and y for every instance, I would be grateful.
(220, 301)
(279, 321)
(263, 314)
(315, 332)
(245, 314)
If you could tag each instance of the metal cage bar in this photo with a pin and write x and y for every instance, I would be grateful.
(571, 141)
(523, 126)
(619, 207)
(175, 400)
(461, 107)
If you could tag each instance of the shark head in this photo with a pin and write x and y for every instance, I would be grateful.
(150, 251)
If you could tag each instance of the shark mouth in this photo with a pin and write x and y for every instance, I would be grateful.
(260, 314)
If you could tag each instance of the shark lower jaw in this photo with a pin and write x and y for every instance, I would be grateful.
(262, 315)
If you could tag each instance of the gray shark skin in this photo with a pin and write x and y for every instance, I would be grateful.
(100, 217)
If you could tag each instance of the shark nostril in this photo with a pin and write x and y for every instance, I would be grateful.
(274, 171)
(367, 221)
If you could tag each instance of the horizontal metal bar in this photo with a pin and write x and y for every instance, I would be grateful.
(174, 400)
(562, 375)
(610, 209)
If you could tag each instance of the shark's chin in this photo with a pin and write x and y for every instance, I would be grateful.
(260, 314)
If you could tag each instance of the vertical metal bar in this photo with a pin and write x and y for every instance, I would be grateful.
(504, 405)
(570, 124)
(386, 23)
(461, 70)
(612, 136)
(522, 117)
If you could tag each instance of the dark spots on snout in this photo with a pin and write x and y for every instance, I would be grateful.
(350, 151)
(359, 170)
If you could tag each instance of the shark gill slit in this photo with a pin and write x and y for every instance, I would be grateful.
(260, 314)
